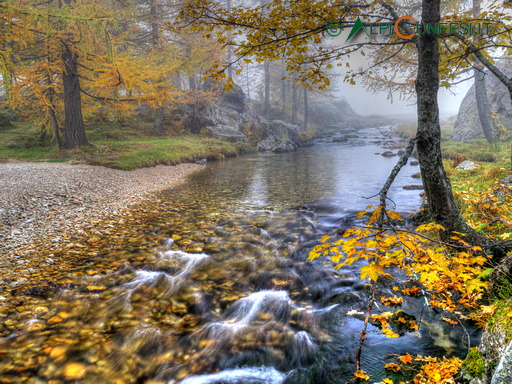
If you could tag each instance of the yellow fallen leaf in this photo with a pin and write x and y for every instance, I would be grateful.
(74, 371)
(361, 375)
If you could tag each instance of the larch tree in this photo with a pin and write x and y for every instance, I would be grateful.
(48, 59)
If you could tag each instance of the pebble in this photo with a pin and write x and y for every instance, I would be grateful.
(40, 204)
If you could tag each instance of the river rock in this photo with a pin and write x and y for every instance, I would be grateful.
(283, 137)
(466, 165)
(467, 126)
(388, 154)
(339, 139)
(412, 187)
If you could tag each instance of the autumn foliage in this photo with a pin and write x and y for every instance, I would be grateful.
(446, 275)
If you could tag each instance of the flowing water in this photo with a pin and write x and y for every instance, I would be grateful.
(211, 284)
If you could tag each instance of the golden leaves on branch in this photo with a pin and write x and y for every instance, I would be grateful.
(438, 270)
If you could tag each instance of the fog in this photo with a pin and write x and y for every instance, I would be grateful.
(368, 103)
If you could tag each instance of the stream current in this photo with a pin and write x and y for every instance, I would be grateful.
(212, 285)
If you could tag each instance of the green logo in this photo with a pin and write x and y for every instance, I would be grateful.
(333, 28)
(358, 25)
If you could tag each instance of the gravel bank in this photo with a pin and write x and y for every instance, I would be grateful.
(42, 201)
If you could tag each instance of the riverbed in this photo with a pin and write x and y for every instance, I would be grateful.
(210, 283)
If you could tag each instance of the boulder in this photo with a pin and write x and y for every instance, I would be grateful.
(13, 144)
(339, 139)
(467, 126)
(466, 165)
(412, 187)
(226, 118)
(276, 144)
(283, 137)
(503, 372)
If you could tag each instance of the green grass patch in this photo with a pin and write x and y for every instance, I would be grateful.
(132, 154)
(476, 150)
(407, 130)
(116, 145)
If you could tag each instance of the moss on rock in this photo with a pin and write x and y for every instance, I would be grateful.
(474, 364)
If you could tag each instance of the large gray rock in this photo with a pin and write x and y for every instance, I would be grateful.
(226, 118)
(283, 137)
(466, 165)
(276, 144)
(467, 126)
(503, 372)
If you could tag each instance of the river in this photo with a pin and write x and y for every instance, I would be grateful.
(211, 284)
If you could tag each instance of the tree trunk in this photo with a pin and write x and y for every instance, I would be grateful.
(482, 104)
(74, 130)
(159, 120)
(283, 92)
(266, 108)
(55, 123)
(482, 101)
(441, 205)
(155, 25)
(230, 48)
(295, 103)
(306, 109)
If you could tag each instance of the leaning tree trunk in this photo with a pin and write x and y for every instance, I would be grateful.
(74, 130)
(441, 205)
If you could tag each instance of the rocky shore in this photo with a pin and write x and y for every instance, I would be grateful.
(43, 203)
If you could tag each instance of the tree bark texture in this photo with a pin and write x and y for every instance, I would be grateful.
(266, 108)
(482, 104)
(159, 120)
(74, 130)
(441, 205)
(295, 104)
(306, 109)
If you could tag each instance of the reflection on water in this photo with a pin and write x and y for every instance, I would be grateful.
(211, 284)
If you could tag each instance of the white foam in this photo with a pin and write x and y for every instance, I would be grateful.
(260, 375)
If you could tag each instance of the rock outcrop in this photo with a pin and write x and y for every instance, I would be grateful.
(226, 118)
(467, 126)
(231, 118)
